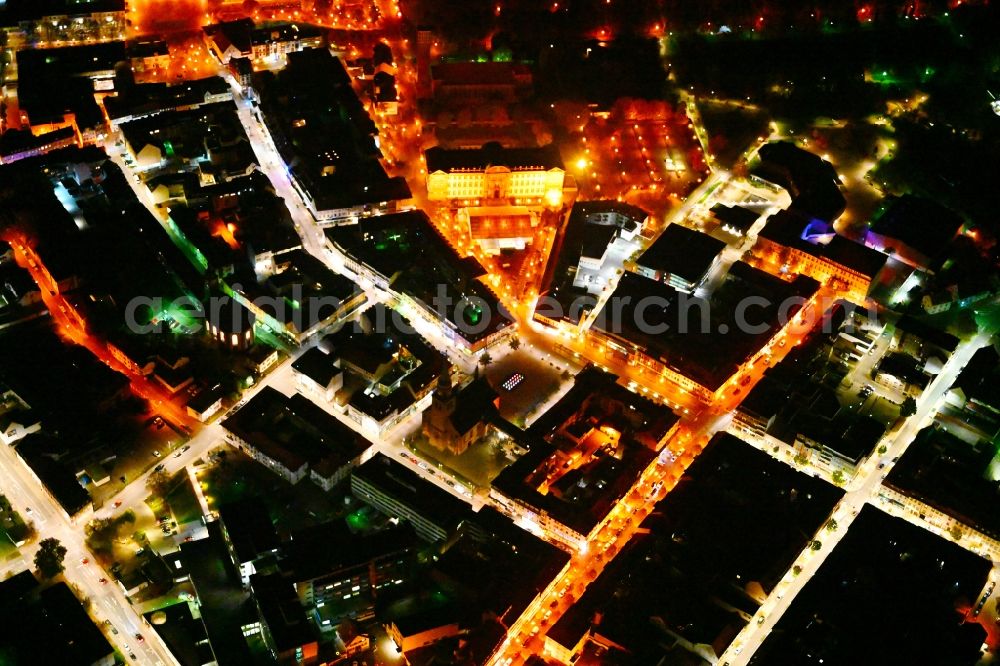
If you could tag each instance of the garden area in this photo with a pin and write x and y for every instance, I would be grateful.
(13, 530)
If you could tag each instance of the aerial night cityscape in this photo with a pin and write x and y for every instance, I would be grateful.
(499, 332)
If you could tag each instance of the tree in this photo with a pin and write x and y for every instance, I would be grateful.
(816, 544)
(909, 407)
(515, 343)
(831, 525)
(49, 558)
(158, 483)
(838, 477)
(485, 359)
(796, 570)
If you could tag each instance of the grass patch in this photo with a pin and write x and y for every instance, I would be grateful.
(183, 501)
(12, 529)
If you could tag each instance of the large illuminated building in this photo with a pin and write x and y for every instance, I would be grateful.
(494, 175)
(243, 39)
(790, 245)
(44, 23)
(499, 192)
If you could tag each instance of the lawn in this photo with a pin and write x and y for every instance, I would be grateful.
(235, 476)
(12, 529)
(182, 500)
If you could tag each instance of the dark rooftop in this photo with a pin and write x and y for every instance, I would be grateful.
(15, 141)
(323, 549)
(293, 430)
(912, 326)
(323, 132)
(55, 81)
(791, 230)
(408, 250)
(53, 618)
(474, 403)
(318, 366)
(923, 224)
(736, 217)
(810, 180)
(493, 154)
(857, 257)
(282, 611)
(409, 489)
(952, 476)
(683, 252)
(149, 98)
(736, 517)
(708, 354)
(883, 562)
(248, 525)
(206, 397)
(980, 379)
(223, 603)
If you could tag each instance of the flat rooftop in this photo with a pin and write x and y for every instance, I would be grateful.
(703, 340)
(683, 252)
(407, 488)
(923, 224)
(951, 475)
(293, 430)
(56, 81)
(811, 181)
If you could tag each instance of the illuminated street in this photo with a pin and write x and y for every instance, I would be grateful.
(378, 316)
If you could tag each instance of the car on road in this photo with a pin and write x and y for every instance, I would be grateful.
(85, 560)
(157, 454)
(118, 503)
(139, 638)
(103, 581)
(186, 447)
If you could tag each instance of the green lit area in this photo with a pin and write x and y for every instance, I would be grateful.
(360, 520)
(193, 254)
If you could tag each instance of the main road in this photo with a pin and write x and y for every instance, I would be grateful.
(107, 601)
